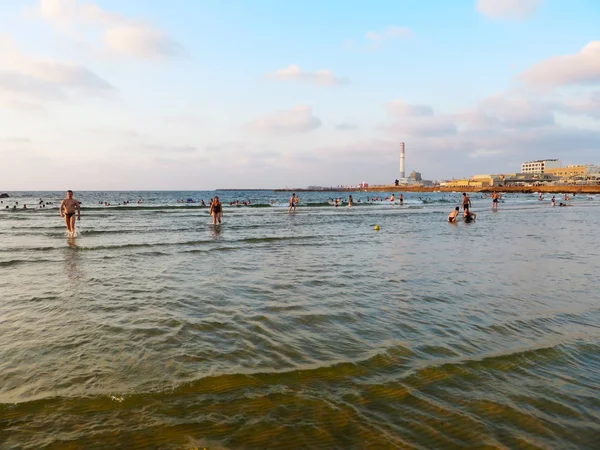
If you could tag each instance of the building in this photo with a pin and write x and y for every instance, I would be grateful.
(488, 180)
(572, 171)
(461, 183)
(476, 181)
(402, 180)
(592, 169)
(527, 179)
(415, 176)
(540, 165)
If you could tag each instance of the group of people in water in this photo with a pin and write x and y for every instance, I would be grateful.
(70, 208)
(41, 204)
(338, 201)
(468, 216)
(125, 203)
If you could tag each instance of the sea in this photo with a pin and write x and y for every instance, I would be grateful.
(153, 328)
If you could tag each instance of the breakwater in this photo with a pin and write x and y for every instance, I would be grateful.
(570, 189)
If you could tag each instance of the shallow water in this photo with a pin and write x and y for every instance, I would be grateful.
(154, 329)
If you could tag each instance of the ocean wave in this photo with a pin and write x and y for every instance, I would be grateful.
(387, 399)
(193, 206)
(29, 249)
(182, 207)
(17, 262)
(143, 245)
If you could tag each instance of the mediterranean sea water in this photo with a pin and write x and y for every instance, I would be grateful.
(152, 328)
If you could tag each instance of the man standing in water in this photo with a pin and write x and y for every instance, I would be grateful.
(68, 208)
(293, 201)
(466, 202)
(494, 200)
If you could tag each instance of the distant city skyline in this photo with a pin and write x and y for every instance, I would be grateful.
(106, 94)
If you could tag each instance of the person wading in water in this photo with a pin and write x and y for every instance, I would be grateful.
(68, 208)
(216, 210)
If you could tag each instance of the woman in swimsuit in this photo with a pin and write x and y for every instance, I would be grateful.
(216, 210)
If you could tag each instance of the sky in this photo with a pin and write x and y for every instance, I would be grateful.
(208, 94)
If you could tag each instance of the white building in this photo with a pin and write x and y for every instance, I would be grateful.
(538, 166)
(592, 169)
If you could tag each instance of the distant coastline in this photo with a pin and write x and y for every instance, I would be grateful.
(571, 189)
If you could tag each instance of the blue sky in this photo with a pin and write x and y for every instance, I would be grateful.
(264, 94)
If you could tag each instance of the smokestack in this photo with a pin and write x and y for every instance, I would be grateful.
(402, 171)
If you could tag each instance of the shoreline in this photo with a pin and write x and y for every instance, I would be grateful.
(570, 189)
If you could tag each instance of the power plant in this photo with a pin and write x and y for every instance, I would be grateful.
(403, 180)
(414, 178)
(402, 166)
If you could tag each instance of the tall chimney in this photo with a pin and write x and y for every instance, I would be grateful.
(402, 171)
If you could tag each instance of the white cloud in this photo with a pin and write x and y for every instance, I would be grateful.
(580, 68)
(186, 120)
(25, 81)
(480, 153)
(320, 77)
(121, 36)
(346, 126)
(434, 126)
(374, 40)
(140, 41)
(168, 149)
(515, 112)
(509, 127)
(388, 33)
(508, 9)
(463, 153)
(523, 109)
(589, 106)
(68, 12)
(400, 108)
(15, 140)
(296, 120)
(417, 121)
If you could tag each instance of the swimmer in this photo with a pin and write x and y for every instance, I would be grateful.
(553, 201)
(469, 216)
(216, 210)
(401, 199)
(452, 216)
(68, 207)
(349, 201)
